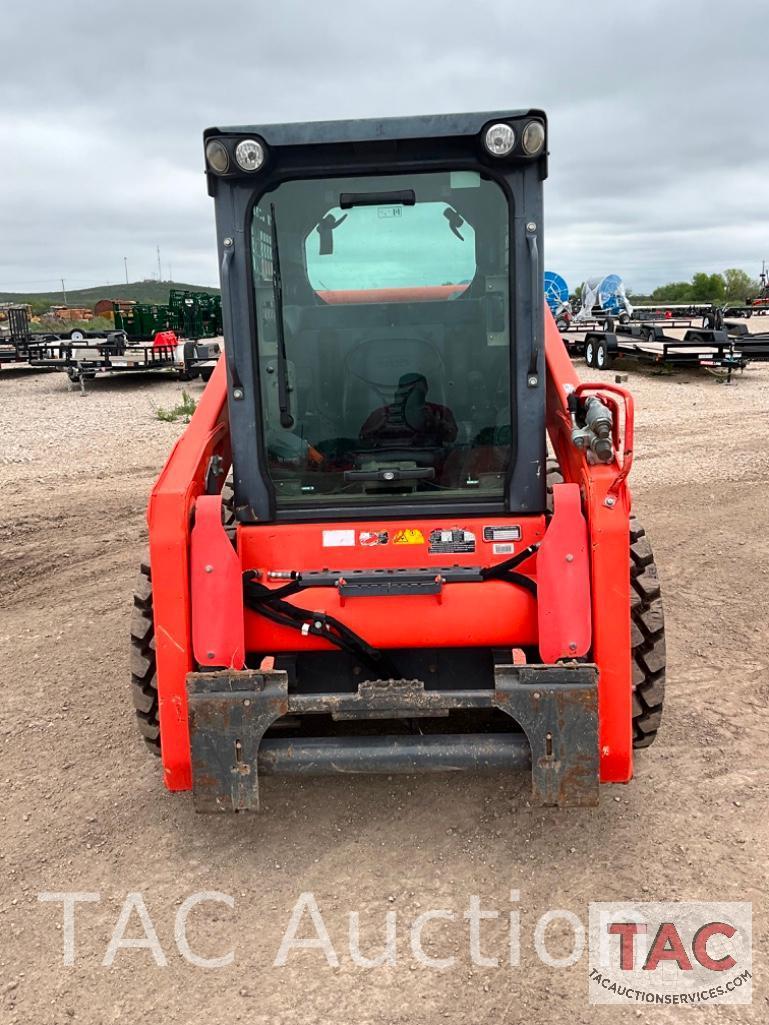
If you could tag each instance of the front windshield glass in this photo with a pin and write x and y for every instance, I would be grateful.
(384, 355)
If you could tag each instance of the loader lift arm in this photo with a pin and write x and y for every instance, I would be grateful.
(606, 503)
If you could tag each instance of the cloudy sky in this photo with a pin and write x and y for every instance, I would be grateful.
(659, 120)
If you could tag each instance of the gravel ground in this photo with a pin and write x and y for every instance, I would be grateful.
(83, 807)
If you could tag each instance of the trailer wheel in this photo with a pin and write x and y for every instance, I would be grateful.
(76, 335)
(647, 628)
(205, 374)
(603, 359)
(590, 353)
(144, 686)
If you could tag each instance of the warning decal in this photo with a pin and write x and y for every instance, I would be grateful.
(451, 542)
(369, 538)
(409, 536)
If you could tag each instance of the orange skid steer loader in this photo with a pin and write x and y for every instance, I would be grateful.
(361, 558)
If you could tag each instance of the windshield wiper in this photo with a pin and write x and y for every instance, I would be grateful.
(286, 420)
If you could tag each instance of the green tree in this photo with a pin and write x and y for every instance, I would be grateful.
(673, 292)
(707, 287)
(738, 284)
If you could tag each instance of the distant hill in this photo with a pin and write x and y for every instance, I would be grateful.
(155, 292)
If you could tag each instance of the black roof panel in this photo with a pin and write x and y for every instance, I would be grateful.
(302, 133)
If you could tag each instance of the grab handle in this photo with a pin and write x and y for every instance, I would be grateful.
(229, 349)
(532, 376)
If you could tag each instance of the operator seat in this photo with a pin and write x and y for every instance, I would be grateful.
(373, 369)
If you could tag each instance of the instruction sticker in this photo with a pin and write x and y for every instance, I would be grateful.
(370, 538)
(338, 538)
(451, 542)
(504, 533)
(409, 536)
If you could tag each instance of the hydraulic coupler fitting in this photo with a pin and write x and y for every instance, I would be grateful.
(581, 437)
(602, 449)
(594, 437)
(598, 417)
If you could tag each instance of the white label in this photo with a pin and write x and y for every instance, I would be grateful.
(338, 538)
(503, 549)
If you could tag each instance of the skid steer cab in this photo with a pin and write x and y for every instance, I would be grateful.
(361, 557)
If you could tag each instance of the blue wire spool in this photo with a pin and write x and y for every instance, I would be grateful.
(608, 294)
(556, 290)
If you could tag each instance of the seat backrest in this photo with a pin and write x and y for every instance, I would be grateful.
(374, 368)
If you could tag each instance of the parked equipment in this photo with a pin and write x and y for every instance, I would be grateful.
(604, 297)
(710, 348)
(397, 581)
(83, 361)
(18, 344)
(752, 346)
(190, 315)
(758, 305)
(557, 299)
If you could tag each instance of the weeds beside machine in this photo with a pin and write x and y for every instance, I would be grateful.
(399, 579)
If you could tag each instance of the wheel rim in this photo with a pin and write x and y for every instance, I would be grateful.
(600, 357)
(589, 354)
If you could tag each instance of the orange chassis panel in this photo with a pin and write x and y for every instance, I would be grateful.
(492, 613)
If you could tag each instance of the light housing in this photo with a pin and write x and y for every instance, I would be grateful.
(249, 155)
(217, 157)
(499, 139)
(533, 138)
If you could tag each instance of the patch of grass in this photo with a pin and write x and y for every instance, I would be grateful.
(183, 411)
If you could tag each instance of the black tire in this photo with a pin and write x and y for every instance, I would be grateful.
(205, 374)
(647, 641)
(603, 359)
(647, 628)
(144, 687)
(589, 353)
(144, 684)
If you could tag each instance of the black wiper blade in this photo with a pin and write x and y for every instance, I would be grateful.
(286, 420)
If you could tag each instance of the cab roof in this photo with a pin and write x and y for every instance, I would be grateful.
(300, 133)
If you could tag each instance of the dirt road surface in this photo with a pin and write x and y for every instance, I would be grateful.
(83, 807)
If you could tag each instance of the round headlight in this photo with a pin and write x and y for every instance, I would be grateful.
(249, 154)
(499, 140)
(217, 156)
(533, 138)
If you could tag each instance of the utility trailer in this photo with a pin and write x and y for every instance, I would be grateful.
(678, 315)
(83, 361)
(19, 344)
(360, 558)
(709, 348)
(753, 346)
